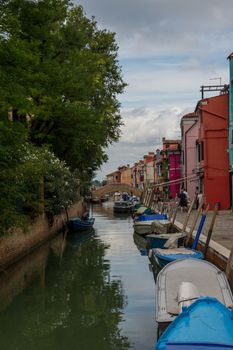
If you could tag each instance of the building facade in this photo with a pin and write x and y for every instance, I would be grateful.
(189, 136)
(172, 166)
(212, 150)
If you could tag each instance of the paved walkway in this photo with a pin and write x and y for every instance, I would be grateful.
(223, 228)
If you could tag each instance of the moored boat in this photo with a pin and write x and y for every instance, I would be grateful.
(206, 277)
(205, 324)
(165, 256)
(122, 206)
(77, 224)
(144, 224)
(159, 241)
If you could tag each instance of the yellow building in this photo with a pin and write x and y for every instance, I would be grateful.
(126, 175)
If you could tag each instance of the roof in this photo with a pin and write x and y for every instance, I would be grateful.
(171, 141)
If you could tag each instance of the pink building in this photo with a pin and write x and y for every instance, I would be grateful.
(172, 163)
(189, 134)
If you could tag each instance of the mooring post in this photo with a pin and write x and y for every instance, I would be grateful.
(229, 267)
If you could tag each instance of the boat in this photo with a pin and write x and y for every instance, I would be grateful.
(122, 207)
(206, 278)
(205, 324)
(160, 240)
(164, 256)
(95, 200)
(77, 224)
(144, 224)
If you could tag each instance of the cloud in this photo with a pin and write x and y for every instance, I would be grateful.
(167, 50)
(165, 26)
(145, 126)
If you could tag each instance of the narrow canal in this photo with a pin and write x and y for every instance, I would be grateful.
(90, 292)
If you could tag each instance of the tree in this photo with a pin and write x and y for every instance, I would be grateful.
(65, 76)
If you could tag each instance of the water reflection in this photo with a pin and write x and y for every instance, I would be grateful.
(68, 303)
(89, 291)
(141, 244)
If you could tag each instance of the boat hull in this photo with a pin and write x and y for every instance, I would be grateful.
(165, 256)
(206, 277)
(158, 241)
(76, 224)
(205, 324)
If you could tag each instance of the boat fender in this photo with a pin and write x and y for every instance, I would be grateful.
(150, 253)
(187, 294)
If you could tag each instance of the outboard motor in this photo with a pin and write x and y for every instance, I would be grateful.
(187, 294)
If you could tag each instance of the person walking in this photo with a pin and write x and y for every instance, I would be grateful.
(183, 203)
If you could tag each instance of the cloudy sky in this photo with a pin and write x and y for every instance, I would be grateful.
(167, 50)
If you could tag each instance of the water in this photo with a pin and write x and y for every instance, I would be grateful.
(93, 291)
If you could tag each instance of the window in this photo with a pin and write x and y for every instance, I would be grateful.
(202, 150)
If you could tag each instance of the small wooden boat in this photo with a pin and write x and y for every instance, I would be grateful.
(144, 224)
(205, 324)
(159, 241)
(206, 277)
(77, 224)
(165, 256)
(122, 206)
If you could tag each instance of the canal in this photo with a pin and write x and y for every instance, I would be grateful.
(88, 292)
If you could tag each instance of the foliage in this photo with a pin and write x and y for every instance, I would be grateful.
(59, 80)
(57, 67)
(32, 179)
(11, 135)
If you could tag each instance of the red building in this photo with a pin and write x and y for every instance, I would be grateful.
(212, 146)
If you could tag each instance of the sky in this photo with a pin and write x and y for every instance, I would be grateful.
(167, 50)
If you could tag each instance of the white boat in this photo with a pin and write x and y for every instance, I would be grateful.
(147, 227)
(198, 278)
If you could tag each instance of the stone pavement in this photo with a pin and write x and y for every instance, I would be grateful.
(223, 227)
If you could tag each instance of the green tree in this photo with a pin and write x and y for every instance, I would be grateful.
(66, 76)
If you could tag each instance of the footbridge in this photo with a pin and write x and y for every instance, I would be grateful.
(116, 187)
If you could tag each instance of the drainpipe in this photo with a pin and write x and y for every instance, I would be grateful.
(230, 137)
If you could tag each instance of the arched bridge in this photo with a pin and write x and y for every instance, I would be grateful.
(116, 187)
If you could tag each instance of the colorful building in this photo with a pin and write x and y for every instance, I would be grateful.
(149, 169)
(212, 149)
(114, 177)
(230, 133)
(189, 136)
(126, 175)
(172, 165)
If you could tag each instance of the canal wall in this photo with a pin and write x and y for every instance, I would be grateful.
(16, 245)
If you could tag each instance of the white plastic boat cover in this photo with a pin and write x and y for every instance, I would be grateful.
(161, 226)
(140, 210)
(174, 251)
(207, 278)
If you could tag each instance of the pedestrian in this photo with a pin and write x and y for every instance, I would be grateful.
(183, 201)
